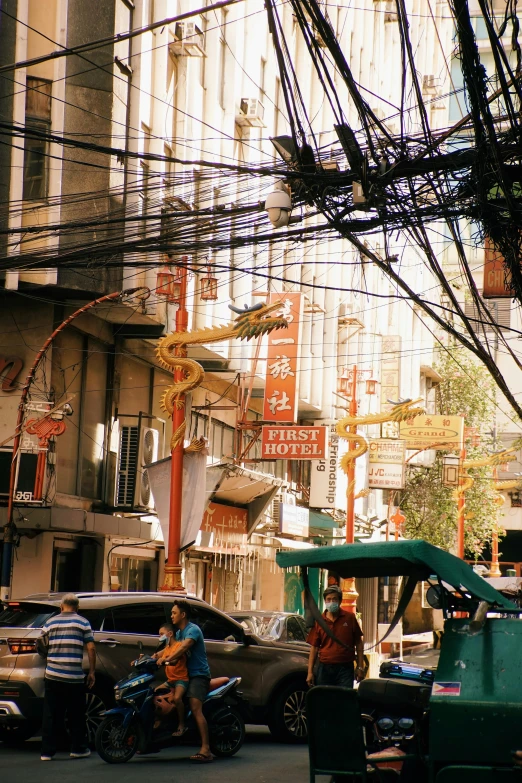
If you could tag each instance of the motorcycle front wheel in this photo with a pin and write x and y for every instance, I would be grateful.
(226, 732)
(115, 743)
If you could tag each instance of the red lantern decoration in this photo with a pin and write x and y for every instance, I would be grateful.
(164, 280)
(371, 385)
(168, 284)
(344, 384)
(208, 288)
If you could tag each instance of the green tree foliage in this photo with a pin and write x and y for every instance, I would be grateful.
(431, 509)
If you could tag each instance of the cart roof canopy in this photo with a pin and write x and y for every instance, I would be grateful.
(397, 558)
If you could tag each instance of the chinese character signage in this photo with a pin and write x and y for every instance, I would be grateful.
(495, 282)
(390, 380)
(220, 518)
(294, 520)
(439, 431)
(293, 443)
(386, 469)
(280, 403)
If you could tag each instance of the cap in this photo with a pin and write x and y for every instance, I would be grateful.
(333, 589)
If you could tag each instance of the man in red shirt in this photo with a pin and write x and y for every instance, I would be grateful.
(335, 660)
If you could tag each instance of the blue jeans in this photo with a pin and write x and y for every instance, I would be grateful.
(336, 674)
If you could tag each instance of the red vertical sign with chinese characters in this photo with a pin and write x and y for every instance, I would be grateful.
(280, 403)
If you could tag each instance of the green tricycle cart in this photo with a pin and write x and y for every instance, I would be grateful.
(465, 725)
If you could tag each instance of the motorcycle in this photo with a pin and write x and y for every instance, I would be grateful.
(143, 719)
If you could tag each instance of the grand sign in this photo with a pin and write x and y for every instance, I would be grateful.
(301, 443)
(438, 431)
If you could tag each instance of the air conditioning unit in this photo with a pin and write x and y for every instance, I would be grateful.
(138, 447)
(282, 497)
(430, 84)
(390, 11)
(188, 41)
(251, 113)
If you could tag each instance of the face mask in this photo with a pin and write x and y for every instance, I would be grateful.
(164, 638)
(332, 607)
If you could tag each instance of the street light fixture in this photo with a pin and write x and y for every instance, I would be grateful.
(371, 386)
(208, 287)
(344, 384)
(450, 470)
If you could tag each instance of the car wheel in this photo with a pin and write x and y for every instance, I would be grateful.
(15, 733)
(288, 720)
(96, 703)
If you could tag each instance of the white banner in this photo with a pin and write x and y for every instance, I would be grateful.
(194, 502)
(327, 481)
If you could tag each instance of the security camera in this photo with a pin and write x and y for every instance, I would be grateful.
(279, 205)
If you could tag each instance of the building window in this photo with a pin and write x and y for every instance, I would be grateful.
(145, 181)
(222, 58)
(36, 153)
(133, 574)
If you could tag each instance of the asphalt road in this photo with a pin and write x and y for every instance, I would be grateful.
(260, 760)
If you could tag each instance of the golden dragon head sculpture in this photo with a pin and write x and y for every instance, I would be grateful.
(171, 352)
(251, 322)
(347, 427)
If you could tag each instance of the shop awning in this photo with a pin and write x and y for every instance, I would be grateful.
(289, 543)
(321, 521)
(397, 558)
(224, 483)
(237, 486)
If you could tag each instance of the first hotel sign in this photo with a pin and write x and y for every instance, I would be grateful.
(294, 443)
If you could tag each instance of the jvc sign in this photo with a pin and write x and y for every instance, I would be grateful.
(293, 443)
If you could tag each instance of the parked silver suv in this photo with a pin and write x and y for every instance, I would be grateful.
(273, 672)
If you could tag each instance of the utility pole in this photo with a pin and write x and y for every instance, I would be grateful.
(350, 493)
(461, 517)
(173, 580)
(10, 527)
(350, 594)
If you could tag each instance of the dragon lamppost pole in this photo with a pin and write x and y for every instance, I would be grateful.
(188, 375)
(173, 580)
(358, 445)
(466, 482)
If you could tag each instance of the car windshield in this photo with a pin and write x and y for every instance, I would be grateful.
(266, 626)
(25, 615)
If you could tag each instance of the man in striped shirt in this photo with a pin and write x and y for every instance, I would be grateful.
(67, 634)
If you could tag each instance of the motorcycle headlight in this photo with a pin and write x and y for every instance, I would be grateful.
(117, 696)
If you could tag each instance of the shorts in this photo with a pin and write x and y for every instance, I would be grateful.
(175, 683)
(198, 688)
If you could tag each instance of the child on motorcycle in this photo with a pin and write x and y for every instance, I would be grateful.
(177, 674)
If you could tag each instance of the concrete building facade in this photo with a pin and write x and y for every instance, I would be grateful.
(157, 96)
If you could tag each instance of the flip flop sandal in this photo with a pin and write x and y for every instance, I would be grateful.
(201, 759)
(179, 733)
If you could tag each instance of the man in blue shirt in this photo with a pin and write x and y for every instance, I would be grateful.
(193, 646)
